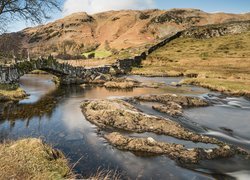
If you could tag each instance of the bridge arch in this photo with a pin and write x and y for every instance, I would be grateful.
(67, 73)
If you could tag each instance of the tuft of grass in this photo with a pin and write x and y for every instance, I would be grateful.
(11, 92)
(105, 175)
(32, 159)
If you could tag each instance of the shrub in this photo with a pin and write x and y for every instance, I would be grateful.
(91, 55)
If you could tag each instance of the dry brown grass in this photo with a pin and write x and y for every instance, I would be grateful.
(32, 159)
(240, 87)
(106, 175)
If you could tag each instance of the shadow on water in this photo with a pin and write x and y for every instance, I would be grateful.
(56, 117)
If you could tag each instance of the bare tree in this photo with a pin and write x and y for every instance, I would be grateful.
(10, 45)
(34, 11)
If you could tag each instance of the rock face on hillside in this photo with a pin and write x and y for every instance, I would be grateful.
(81, 32)
(217, 30)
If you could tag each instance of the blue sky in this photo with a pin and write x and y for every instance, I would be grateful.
(231, 6)
(93, 6)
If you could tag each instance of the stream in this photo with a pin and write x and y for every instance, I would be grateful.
(54, 115)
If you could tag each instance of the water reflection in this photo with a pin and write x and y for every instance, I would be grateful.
(36, 86)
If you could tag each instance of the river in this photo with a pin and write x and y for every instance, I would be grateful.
(53, 114)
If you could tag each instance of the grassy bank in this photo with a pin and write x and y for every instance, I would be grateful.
(32, 159)
(220, 63)
(227, 86)
(11, 92)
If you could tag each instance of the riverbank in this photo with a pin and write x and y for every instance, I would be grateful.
(219, 63)
(32, 159)
(226, 86)
(11, 92)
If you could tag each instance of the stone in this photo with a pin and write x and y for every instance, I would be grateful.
(151, 140)
(175, 84)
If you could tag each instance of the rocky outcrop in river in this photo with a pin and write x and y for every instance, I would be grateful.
(120, 115)
(176, 152)
(171, 104)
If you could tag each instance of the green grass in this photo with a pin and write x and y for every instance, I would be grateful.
(11, 92)
(224, 58)
(99, 53)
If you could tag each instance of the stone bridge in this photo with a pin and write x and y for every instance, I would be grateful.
(75, 75)
(67, 73)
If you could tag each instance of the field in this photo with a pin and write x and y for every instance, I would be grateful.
(220, 63)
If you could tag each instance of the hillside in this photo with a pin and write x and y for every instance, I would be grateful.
(219, 63)
(81, 33)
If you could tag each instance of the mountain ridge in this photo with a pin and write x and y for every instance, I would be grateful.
(81, 32)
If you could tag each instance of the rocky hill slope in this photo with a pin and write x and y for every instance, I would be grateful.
(80, 32)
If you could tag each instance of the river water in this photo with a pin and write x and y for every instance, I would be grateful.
(54, 115)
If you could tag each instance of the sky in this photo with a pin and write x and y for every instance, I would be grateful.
(95, 6)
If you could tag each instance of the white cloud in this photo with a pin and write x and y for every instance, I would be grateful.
(95, 6)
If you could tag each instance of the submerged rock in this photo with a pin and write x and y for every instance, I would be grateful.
(122, 115)
(174, 151)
